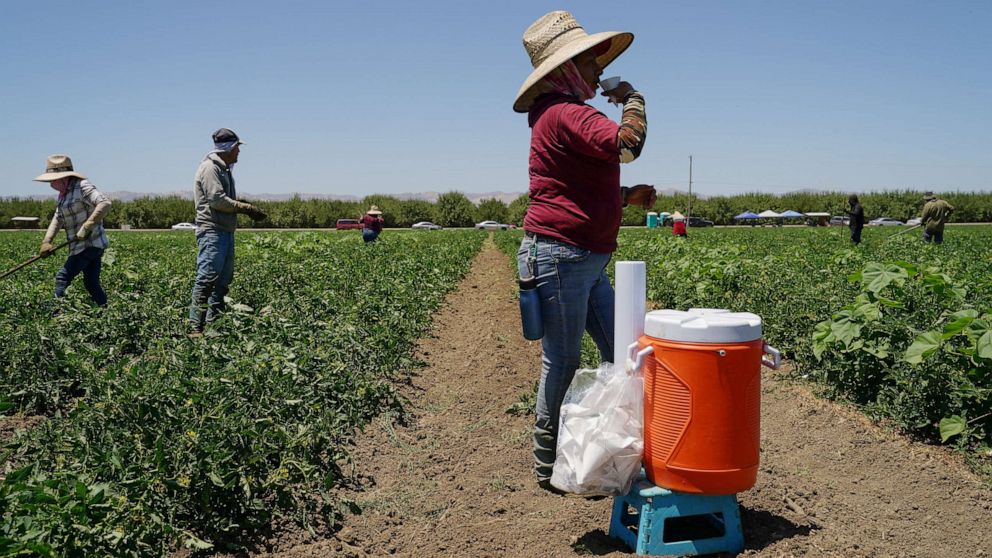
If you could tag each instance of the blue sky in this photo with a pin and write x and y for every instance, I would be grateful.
(389, 97)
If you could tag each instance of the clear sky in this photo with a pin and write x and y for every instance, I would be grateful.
(390, 97)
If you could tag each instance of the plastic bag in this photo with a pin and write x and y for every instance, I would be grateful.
(600, 432)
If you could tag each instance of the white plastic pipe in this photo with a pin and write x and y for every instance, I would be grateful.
(628, 320)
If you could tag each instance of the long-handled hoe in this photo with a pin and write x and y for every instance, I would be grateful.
(32, 260)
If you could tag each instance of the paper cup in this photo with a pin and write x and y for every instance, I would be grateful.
(610, 83)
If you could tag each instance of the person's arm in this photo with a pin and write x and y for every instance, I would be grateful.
(633, 128)
(590, 132)
(216, 198)
(53, 229)
(100, 204)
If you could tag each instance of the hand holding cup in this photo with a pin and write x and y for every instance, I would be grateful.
(615, 90)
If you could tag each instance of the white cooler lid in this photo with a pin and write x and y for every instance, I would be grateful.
(703, 325)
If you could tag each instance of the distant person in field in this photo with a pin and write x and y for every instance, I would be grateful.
(80, 210)
(217, 211)
(575, 202)
(936, 213)
(678, 226)
(857, 218)
(371, 224)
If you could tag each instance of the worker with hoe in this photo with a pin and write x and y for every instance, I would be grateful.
(856, 217)
(371, 224)
(217, 211)
(80, 210)
(575, 202)
(936, 212)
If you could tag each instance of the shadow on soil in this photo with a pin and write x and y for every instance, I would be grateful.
(761, 529)
(598, 543)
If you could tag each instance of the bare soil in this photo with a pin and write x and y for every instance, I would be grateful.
(457, 479)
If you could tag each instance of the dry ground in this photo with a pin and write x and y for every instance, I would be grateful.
(457, 480)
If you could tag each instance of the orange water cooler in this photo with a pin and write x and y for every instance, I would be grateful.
(702, 398)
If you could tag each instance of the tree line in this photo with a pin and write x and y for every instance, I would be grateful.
(454, 209)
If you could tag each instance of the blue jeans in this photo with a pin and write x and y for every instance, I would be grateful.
(937, 237)
(88, 262)
(369, 235)
(576, 297)
(214, 272)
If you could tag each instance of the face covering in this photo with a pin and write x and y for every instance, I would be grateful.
(61, 186)
(567, 80)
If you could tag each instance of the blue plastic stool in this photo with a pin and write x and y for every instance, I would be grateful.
(643, 519)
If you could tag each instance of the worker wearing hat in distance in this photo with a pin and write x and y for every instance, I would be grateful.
(936, 212)
(217, 211)
(371, 224)
(576, 202)
(80, 210)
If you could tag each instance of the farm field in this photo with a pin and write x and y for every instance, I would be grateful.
(151, 441)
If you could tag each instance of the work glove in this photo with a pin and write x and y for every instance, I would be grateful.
(84, 231)
(46, 249)
(643, 195)
(255, 214)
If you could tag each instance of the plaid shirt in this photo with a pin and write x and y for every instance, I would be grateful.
(73, 210)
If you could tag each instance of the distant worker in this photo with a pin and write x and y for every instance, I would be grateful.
(217, 211)
(80, 211)
(576, 202)
(678, 225)
(371, 224)
(857, 218)
(936, 212)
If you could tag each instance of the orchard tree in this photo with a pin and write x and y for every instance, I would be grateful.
(492, 209)
(454, 210)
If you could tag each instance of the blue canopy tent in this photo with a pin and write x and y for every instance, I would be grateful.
(746, 215)
(790, 214)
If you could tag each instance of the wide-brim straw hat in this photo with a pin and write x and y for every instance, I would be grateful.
(374, 210)
(58, 166)
(677, 216)
(554, 39)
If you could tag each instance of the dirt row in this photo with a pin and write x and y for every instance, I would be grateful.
(457, 479)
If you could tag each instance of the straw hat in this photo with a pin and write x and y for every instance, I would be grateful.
(677, 216)
(928, 195)
(59, 166)
(374, 210)
(554, 39)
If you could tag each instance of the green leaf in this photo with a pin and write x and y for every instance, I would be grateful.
(214, 478)
(876, 276)
(984, 345)
(196, 543)
(923, 346)
(951, 426)
(957, 322)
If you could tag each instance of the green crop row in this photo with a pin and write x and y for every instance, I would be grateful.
(896, 326)
(152, 440)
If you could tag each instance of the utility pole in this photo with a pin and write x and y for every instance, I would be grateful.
(688, 210)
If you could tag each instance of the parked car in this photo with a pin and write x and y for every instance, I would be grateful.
(699, 222)
(426, 225)
(345, 224)
(841, 220)
(184, 227)
(914, 221)
(885, 221)
(491, 226)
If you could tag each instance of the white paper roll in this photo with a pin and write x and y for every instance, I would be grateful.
(631, 295)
